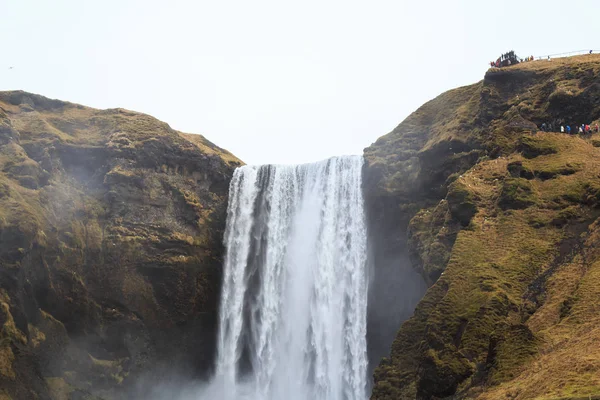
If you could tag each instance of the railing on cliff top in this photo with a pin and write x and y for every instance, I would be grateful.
(569, 54)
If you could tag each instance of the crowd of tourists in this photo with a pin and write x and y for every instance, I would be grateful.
(583, 129)
(509, 58)
(505, 60)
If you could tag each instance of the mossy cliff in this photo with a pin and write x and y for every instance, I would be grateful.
(503, 224)
(110, 247)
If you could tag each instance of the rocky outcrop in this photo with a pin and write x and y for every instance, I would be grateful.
(501, 222)
(111, 225)
(111, 231)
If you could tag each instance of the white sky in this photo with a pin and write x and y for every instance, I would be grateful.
(275, 81)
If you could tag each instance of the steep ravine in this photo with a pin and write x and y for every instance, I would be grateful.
(111, 228)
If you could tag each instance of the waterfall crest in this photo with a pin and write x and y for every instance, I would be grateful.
(294, 297)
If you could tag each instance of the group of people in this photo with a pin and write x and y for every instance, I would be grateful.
(568, 129)
(509, 58)
(506, 59)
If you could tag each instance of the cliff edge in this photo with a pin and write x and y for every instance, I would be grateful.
(110, 248)
(502, 222)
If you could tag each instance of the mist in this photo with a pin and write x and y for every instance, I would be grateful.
(266, 203)
(395, 289)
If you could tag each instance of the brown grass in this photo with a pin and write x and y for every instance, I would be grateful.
(488, 291)
(568, 323)
(555, 63)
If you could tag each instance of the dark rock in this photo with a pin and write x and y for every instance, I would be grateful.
(517, 170)
(532, 147)
(465, 334)
(461, 203)
(516, 193)
(111, 229)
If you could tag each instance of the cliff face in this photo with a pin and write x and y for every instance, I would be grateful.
(110, 247)
(111, 243)
(502, 223)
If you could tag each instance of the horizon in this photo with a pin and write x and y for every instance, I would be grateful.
(271, 83)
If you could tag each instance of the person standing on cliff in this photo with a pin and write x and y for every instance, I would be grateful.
(568, 129)
(597, 128)
(562, 129)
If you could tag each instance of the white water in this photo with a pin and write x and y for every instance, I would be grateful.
(294, 298)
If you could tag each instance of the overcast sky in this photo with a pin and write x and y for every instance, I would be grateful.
(275, 81)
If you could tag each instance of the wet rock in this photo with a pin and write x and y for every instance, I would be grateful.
(104, 253)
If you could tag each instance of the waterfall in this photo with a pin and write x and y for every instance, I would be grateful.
(294, 296)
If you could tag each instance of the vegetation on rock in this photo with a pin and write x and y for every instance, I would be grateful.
(111, 225)
(504, 226)
(110, 247)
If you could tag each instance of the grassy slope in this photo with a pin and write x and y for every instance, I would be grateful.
(514, 313)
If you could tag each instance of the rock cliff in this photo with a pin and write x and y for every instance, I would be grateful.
(111, 230)
(502, 223)
(110, 248)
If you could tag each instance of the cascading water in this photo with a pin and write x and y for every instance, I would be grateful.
(294, 298)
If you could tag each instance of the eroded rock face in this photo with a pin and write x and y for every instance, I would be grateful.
(485, 206)
(111, 231)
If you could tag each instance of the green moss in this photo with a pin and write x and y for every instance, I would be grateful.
(518, 170)
(550, 171)
(525, 208)
(447, 369)
(591, 195)
(431, 236)
(461, 202)
(573, 192)
(9, 330)
(510, 348)
(533, 146)
(517, 193)
(566, 215)
(100, 250)
(539, 218)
